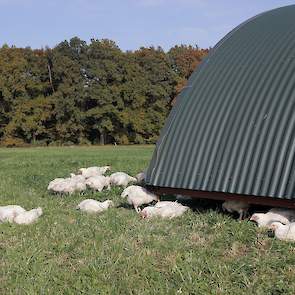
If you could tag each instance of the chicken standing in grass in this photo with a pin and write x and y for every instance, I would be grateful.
(98, 183)
(9, 212)
(93, 206)
(94, 171)
(28, 217)
(236, 206)
(137, 196)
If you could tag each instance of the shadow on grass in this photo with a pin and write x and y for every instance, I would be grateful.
(125, 206)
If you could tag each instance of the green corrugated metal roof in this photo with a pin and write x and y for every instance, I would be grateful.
(233, 127)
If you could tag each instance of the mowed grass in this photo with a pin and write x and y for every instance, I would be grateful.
(68, 252)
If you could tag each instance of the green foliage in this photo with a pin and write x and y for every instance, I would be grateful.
(79, 92)
(184, 60)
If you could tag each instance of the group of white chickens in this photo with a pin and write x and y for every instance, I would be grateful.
(280, 221)
(94, 178)
(136, 195)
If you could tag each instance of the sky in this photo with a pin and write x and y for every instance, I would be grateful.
(130, 23)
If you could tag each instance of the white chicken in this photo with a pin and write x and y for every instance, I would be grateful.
(137, 196)
(9, 212)
(285, 232)
(288, 213)
(52, 184)
(98, 183)
(28, 217)
(164, 209)
(78, 177)
(68, 185)
(93, 206)
(94, 171)
(121, 179)
(283, 216)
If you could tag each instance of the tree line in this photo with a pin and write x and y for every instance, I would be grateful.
(89, 93)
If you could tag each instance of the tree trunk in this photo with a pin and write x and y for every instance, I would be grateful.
(34, 137)
(102, 138)
(50, 77)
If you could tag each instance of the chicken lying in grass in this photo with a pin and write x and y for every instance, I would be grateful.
(8, 213)
(281, 215)
(233, 206)
(28, 217)
(285, 232)
(94, 171)
(121, 179)
(75, 183)
(98, 183)
(288, 213)
(93, 206)
(17, 214)
(138, 196)
(164, 209)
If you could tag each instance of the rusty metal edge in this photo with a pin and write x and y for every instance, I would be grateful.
(255, 200)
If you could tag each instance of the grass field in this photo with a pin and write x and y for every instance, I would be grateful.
(67, 252)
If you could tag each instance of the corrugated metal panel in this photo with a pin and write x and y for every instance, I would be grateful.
(233, 128)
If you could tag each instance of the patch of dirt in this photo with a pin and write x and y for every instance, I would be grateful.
(195, 238)
(237, 250)
(262, 244)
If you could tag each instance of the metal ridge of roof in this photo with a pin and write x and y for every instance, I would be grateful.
(232, 129)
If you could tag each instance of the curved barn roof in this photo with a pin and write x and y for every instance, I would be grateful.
(233, 127)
